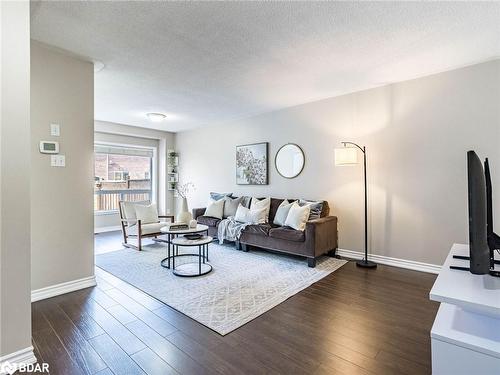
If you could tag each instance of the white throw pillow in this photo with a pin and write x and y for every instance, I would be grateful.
(297, 216)
(241, 214)
(128, 208)
(282, 212)
(248, 216)
(215, 208)
(146, 214)
(257, 216)
(263, 203)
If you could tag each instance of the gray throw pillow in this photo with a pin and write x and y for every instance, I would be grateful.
(218, 196)
(231, 205)
(316, 208)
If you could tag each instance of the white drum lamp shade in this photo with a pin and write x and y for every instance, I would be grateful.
(346, 156)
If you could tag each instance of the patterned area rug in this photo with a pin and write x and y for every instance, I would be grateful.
(241, 286)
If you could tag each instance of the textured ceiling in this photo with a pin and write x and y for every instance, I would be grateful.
(208, 62)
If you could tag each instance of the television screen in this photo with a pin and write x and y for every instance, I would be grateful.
(478, 238)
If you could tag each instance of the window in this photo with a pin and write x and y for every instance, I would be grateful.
(121, 173)
(119, 176)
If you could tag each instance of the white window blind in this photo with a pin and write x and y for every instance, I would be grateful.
(120, 150)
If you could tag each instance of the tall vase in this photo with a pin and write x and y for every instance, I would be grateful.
(183, 215)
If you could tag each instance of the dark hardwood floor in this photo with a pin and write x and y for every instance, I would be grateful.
(354, 321)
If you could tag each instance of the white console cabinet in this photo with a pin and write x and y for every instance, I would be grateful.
(465, 336)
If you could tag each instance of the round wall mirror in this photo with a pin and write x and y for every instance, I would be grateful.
(289, 160)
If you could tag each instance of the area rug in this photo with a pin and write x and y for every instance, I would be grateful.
(242, 285)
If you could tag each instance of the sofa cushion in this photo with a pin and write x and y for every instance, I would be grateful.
(208, 220)
(259, 229)
(287, 233)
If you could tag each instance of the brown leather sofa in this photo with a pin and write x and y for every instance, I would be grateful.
(319, 237)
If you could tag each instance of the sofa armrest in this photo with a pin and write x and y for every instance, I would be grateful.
(321, 235)
(198, 212)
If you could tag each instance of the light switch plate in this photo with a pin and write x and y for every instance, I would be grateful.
(55, 130)
(57, 160)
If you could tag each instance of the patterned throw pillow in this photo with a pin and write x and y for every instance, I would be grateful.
(248, 216)
(257, 216)
(261, 203)
(316, 208)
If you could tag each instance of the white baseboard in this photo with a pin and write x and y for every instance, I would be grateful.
(63, 288)
(107, 229)
(21, 356)
(396, 262)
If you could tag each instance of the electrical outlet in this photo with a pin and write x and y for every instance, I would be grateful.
(55, 130)
(57, 160)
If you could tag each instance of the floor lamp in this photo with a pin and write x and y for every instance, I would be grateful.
(349, 156)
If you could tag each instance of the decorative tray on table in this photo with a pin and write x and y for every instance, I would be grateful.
(193, 236)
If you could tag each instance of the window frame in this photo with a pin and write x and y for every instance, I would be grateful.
(153, 169)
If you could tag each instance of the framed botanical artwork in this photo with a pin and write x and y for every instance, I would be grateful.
(252, 164)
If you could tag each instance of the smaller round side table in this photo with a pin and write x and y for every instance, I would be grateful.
(192, 269)
(171, 234)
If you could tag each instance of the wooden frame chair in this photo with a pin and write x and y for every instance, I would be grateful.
(133, 228)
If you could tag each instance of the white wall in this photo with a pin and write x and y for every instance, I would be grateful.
(111, 220)
(15, 306)
(166, 141)
(416, 133)
(62, 91)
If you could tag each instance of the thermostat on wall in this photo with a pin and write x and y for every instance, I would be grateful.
(49, 147)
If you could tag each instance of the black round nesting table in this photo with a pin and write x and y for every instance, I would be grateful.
(192, 269)
(171, 234)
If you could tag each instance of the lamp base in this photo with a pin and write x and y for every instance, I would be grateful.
(366, 264)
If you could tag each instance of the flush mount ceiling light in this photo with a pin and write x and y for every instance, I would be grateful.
(156, 117)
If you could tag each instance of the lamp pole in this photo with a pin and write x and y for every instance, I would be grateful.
(364, 262)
